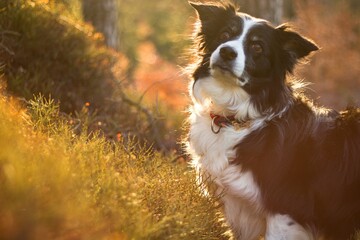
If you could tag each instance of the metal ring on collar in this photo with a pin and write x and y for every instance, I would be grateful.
(212, 126)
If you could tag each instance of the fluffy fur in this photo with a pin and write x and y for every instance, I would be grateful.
(293, 172)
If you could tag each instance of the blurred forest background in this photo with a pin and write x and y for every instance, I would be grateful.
(150, 31)
(140, 72)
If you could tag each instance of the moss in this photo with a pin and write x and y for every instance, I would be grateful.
(50, 53)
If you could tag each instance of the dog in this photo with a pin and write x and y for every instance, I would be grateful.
(282, 167)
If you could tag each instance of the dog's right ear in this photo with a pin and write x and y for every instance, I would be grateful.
(295, 44)
(206, 12)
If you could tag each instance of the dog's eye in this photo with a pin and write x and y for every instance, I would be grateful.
(256, 48)
(224, 36)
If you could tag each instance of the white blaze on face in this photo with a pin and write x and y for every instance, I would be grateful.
(223, 90)
(238, 45)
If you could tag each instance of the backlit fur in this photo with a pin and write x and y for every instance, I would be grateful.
(294, 171)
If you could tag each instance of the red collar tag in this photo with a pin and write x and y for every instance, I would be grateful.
(224, 121)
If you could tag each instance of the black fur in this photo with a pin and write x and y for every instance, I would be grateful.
(306, 161)
(309, 168)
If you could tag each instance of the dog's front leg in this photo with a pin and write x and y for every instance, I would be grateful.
(245, 223)
(242, 185)
(242, 203)
(283, 227)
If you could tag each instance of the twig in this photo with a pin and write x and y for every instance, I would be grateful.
(7, 49)
(153, 85)
(150, 118)
(8, 32)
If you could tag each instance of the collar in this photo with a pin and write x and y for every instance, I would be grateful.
(224, 121)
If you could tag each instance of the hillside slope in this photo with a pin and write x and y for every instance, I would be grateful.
(58, 55)
(57, 185)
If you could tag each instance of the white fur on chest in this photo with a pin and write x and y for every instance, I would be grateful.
(213, 153)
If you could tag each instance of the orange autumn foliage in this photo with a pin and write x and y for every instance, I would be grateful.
(160, 80)
(335, 69)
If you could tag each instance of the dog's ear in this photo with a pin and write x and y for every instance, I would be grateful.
(296, 45)
(207, 12)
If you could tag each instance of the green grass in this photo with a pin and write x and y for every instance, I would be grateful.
(58, 185)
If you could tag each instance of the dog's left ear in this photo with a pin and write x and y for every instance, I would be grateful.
(205, 12)
(208, 12)
(295, 44)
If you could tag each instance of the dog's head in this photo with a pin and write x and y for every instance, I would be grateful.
(240, 51)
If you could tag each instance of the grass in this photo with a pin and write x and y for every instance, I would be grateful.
(59, 177)
(58, 185)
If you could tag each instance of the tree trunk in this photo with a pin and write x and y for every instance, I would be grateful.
(271, 10)
(278, 11)
(103, 15)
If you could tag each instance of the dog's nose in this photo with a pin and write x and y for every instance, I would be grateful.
(228, 53)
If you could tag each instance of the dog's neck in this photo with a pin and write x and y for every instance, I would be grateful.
(228, 99)
(223, 99)
(224, 121)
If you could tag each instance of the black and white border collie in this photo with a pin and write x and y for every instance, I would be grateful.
(284, 168)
